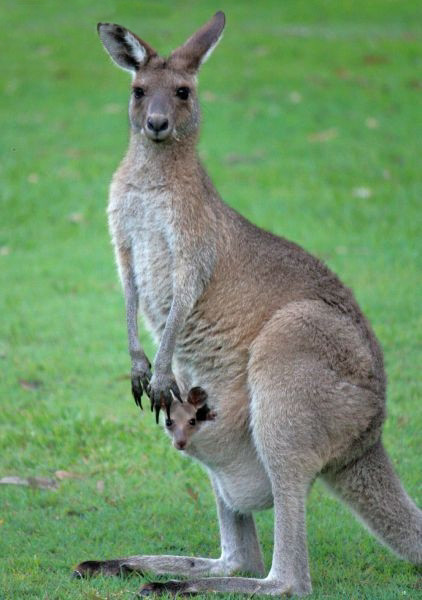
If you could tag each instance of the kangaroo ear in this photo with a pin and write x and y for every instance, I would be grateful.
(125, 48)
(197, 396)
(200, 45)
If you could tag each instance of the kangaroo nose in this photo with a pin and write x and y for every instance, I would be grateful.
(181, 444)
(157, 123)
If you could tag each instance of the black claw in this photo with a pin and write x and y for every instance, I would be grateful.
(137, 392)
(163, 399)
(175, 390)
(136, 398)
(145, 383)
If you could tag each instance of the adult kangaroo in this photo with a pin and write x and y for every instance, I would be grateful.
(289, 362)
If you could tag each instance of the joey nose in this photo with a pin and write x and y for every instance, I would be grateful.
(157, 123)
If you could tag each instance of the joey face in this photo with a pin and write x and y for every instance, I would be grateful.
(163, 104)
(182, 424)
(188, 418)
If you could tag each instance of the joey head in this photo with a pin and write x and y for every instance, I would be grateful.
(187, 419)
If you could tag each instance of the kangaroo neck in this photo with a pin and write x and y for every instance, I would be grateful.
(166, 164)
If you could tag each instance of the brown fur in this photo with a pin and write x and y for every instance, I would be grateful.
(279, 343)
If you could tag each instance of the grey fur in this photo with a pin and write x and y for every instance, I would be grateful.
(289, 362)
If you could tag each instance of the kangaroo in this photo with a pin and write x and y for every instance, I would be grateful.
(288, 360)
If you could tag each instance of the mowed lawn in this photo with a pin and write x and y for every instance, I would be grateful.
(312, 129)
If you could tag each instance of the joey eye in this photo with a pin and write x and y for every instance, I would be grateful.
(169, 422)
(183, 93)
(192, 421)
(138, 92)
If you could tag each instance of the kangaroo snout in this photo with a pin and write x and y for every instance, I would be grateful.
(157, 127)
(180, 444)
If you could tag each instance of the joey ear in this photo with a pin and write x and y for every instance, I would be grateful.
(204, 413)
(198, 48)
(125, 48)
(197, 396)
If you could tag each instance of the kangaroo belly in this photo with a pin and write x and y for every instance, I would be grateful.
(246, 489)
(235, 468)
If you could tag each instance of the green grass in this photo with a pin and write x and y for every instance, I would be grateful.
(288, 75)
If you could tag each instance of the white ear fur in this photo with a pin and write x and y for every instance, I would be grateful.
(125, 49)
(139, 52)
(211, 49)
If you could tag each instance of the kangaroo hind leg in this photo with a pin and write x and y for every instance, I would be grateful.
(295, 403)
(284, 441)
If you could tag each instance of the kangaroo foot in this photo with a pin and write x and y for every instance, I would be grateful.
(92, 568)
(156, 588)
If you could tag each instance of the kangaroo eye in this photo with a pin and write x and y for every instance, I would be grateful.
(138, 92)
(192, 421)
(169, 422)
(183, 93)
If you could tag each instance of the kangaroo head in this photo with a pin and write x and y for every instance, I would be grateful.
(163, 103)
(187, 419)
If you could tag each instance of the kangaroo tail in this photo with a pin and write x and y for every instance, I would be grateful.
(370, 487)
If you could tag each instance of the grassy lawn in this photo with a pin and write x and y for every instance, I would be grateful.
(311, 113)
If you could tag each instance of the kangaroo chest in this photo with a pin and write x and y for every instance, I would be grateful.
(144, 220)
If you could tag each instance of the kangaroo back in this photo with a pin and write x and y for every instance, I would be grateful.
(371, 488)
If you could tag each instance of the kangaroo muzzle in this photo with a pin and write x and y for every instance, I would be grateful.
(158, 123)
(157, 127)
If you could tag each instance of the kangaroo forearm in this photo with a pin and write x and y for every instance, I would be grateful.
(127, 276)
(140, 365)
(179, 311)
(131, 298)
